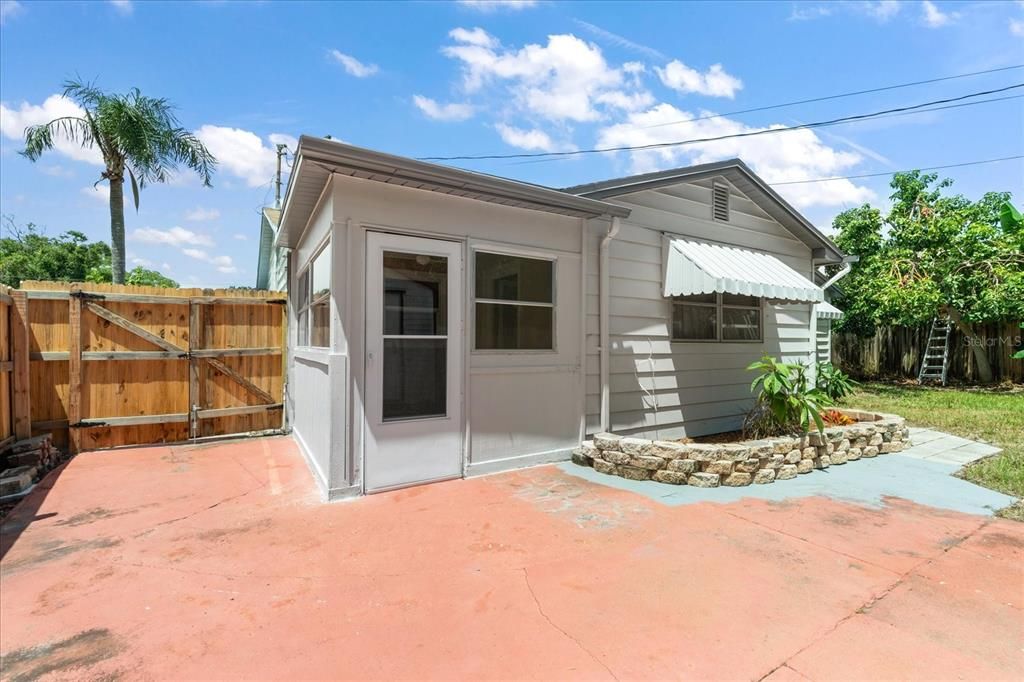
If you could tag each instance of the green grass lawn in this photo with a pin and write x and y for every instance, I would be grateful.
(992, 415)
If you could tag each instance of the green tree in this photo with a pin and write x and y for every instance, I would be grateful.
(933, 254)
(137, 135)
(137, 276)
(26, 253)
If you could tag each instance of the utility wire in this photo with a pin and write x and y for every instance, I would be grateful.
(902, 113)
(831, 97)
(752, 133)
(875, 175)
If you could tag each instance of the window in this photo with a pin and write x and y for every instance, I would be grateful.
(313, 301)
(515, 302)
(716, 317)
(720, 201)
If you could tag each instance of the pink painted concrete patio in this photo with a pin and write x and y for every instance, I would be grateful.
(218, 561)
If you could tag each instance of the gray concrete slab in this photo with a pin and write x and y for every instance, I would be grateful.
(921, 474)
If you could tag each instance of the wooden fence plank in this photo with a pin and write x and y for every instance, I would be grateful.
(236, 411)
(75, 371)
(228, 352)
(240, 380)
(95, 422)
(195, 367)
(20, 346)
(127, 325)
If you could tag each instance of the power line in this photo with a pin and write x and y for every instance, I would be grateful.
(831, 97)
(875, 175)
(752, 133)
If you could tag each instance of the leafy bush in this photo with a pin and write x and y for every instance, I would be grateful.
(834, 382)
(786, 403)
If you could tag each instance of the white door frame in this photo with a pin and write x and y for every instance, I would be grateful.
(386, 442)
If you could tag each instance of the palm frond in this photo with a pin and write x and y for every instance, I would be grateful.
(40, 138)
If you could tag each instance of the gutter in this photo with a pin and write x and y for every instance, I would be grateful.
(603, 347)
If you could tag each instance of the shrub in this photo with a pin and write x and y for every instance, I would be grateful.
(786, 401)
(834, 382)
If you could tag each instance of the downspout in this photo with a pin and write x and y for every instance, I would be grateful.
(848, 262)
(603, 348)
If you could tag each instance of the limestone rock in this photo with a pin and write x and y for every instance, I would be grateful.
(634, 446)
(683, 466)
(606, 441)
(647, 462)
(722, 467)
(805, 466)
(764, 476)
(604, 467)
(673, 477)
(634, 473)
(615, 457)
(737, 479)
(703, 480)
(786, 471)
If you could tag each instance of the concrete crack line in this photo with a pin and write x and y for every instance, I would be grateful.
(200, 511)
(540, 610)
(812, 543)
(870, 603)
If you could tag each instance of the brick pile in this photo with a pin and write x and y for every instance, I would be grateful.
(25, 461)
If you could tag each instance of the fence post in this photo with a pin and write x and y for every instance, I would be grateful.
(21, 377)
(195, 366)
(75, 369)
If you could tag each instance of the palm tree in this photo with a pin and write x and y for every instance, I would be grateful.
(135, 133)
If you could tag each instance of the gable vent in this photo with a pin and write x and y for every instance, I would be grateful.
(720, 202)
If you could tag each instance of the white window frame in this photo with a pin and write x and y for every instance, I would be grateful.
(719, 306)
(306, 272)
(527, 255)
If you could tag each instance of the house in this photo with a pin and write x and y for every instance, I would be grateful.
(445, 323)
(272, 266)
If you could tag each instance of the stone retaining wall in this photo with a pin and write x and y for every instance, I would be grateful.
(708, 465)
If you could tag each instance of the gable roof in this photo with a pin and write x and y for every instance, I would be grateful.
(316, 159)
(742, 177)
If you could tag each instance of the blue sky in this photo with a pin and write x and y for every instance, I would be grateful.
(452, 78)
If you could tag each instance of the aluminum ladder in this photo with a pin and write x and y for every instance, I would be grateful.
(935, 364)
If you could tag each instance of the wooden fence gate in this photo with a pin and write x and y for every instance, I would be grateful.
(117, 365)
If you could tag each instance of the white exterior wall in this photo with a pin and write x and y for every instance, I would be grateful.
(520, 407)
(824, 340)
(665, 389)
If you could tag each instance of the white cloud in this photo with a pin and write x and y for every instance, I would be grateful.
(495, 5)
(804, 12)
(100, 192)
(142, 262)
(175, 236)
(933, 17)
(57, 171)
(241, 237)
(453, 111)
(223, 263)
(621, 41)
(882, 10)
(353, 66)
(715, 82)
(123, 6)
(200, 214)
(242, 153)
(474, 36)
(1017, 28)
(560, 81)
(531, 140)
(795, 155)
(10, 9)
(14, 121)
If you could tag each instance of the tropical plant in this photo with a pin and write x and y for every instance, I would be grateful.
(786, 399)
(137, 135)
(137, 276)
(836, 418)
(933, 254)
(1019, 355)
(834, 382)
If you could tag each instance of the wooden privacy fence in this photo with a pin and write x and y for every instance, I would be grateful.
(6, 368)
(896, 351)
(100, 365)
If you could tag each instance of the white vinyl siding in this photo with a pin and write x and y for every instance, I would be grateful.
(659, 387)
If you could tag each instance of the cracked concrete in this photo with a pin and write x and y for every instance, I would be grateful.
(232, 567)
